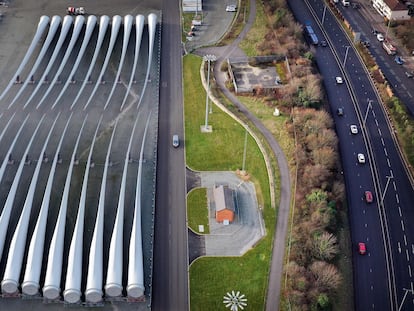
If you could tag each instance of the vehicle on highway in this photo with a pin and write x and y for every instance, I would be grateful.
(368, 196)
(374, 31)
(389, 48)
(366, 43)
(76, 11)
(380, 37)
(354, 129)
(175, 141)
(355, 5)
(339, 80)
(231, 8)
(311, 34)
(361, 158)
(362, 248)
(336, 1)
(345, 2)
(340, 111)
(399, 60)
(409, 75)
(323, 43)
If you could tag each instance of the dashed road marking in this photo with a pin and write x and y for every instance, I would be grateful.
(385, 151)
(376, 122)
(389, 163)
(409, 270)
(405, 240)
(397, 198)
(402, 225)
(406, 254)
(379, 131)
(399, 211)
(382, 141)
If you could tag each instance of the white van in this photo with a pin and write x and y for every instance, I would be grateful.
(345, 2)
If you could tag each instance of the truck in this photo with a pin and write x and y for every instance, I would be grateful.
(76, 11)
(389, 48)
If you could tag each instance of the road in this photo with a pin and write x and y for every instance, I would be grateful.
(363, 21)
(170, 280)
(389, 240)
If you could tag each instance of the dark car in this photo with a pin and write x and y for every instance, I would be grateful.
(366, 43)
(355, 5)
(323, 43)
(399, 60)
(368, 197)
(374, 31)
(409, 75)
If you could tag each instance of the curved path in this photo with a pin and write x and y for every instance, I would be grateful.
(276, 268)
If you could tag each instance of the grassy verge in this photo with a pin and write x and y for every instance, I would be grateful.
(212, 278)
(197, 211)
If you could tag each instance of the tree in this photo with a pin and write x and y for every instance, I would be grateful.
(326, 276)
(325, 246)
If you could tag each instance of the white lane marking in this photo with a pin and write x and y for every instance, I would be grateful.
(398, 79)
(386, 152)
(409, 94)
(412, 248)
(379, 131)
(404, 87)
(399, 247)
(399, 211)
(412, 287)
(372, 287)
(389, 163)
(382, 141)
(376, 122)
(373, 112)
(393, 183)
(405, 240)
(397, 198)
(409, 270)
(408, 256)
(402, 225)
(370, 270)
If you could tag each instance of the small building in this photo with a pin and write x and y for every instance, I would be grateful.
(391, 9)
(224, 202)
(192, 6)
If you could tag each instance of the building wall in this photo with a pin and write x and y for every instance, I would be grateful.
(192, 5)
(383, 9)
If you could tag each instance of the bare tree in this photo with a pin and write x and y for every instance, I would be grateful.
(326, 276)
(325, 246)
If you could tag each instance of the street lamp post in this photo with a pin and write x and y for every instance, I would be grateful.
(369, 107)
(208, 58)
(346, 55)
(323, 14)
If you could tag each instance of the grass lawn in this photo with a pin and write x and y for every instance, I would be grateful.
(212, 277)
(197, 210)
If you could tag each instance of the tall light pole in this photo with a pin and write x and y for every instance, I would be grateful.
(244, 152)
(369, 107)
(346, 55)
(208, 58)
(323, 14)
(386, 187)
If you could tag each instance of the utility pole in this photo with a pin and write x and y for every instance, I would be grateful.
(369, 107)
(346, 55)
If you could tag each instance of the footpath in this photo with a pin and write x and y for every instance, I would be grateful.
(282, 208)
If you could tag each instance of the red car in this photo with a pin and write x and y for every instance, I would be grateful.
(362, 249)
(368, 197)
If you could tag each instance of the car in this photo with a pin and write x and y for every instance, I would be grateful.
(368, 196)
(399, 60)
(355, 5)
(323, 43)
(175, 141)
(76, 11)
(380, 37)
(354, 129)
(409, 75)
(336, 1)
(340, 111)
(362, 248)
(361, 158)
(231, 8)
(366, 43)
(374, 31)
(339, 80)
